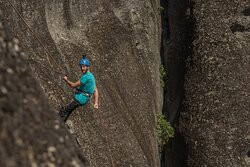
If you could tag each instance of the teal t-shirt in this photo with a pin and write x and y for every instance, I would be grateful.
(88, 85)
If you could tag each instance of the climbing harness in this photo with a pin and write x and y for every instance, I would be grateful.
(84, 93)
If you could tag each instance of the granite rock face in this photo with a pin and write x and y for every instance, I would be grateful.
(217, 85)
(123, 39)
(30, 132)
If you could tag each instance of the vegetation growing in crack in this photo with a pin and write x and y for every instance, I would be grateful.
(164, 131)
(161, 8)
(163, 75)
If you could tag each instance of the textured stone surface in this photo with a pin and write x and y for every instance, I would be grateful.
(217, 85)
(123, 38)
(30, 132)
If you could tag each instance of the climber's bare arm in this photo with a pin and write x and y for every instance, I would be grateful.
(96, 98)
(72, 84)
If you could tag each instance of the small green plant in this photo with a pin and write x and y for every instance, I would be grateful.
(164, 131)
(161, 8)
(163, 75)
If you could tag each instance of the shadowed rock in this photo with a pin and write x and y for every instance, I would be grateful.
(176, 37)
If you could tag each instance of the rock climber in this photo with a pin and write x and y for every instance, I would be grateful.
(85, 88)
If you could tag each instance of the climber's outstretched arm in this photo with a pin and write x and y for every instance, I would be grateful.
(72, 84)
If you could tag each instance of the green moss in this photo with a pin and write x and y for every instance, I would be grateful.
(161, 8)
(164, 131)
(163, 75)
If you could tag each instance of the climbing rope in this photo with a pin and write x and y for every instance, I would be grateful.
(34, 34)
(48, 54)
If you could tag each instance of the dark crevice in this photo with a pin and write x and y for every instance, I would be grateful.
(237, 28)
(175, 153)
(176, 46)
(246, 12)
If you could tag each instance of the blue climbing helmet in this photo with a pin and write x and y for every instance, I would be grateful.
(84, 61)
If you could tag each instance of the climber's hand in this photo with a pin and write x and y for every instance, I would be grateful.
(96, 106)
(65, 78)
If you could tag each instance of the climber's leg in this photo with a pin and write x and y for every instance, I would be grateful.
(65, 112)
